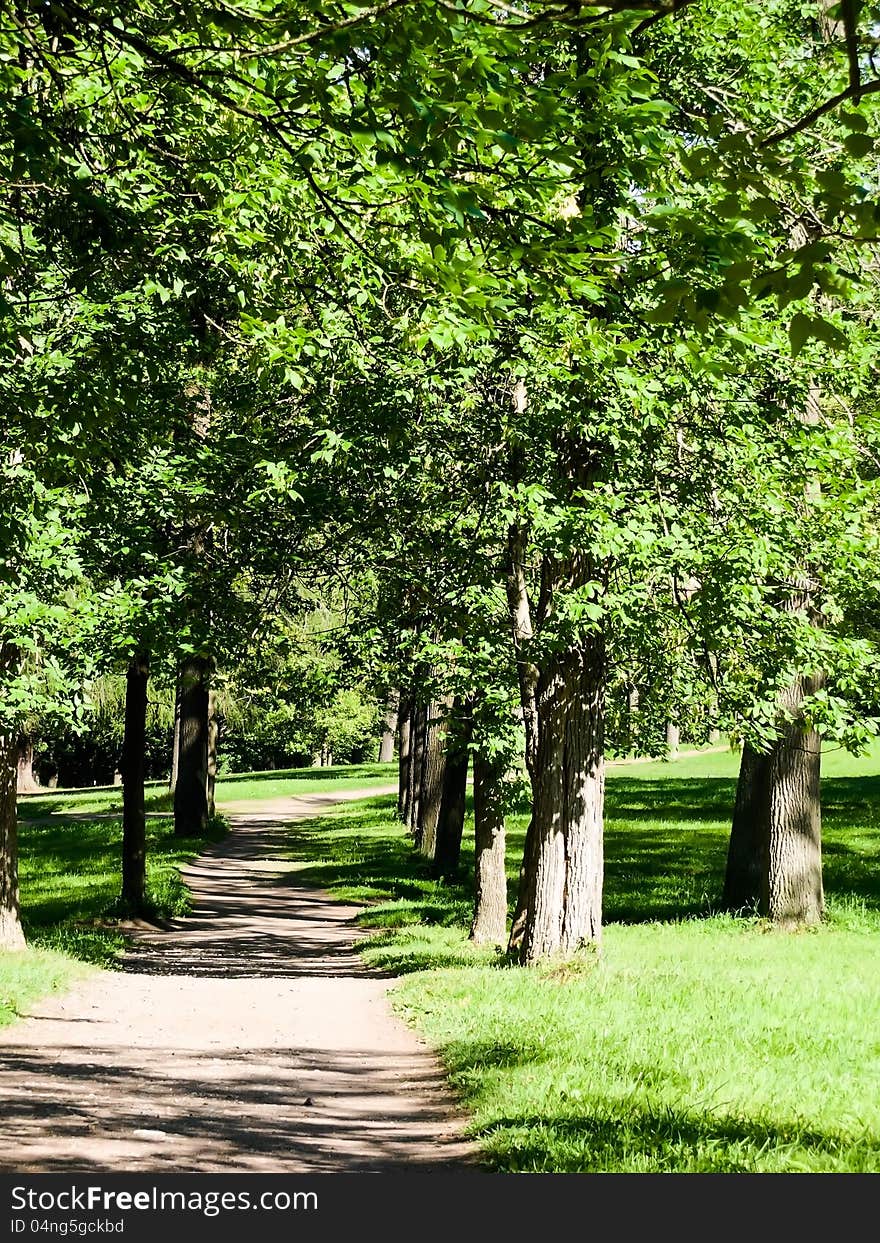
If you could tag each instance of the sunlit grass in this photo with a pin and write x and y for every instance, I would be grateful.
(294, 781)
(30, 974)
(232, 788)
(696, 1042)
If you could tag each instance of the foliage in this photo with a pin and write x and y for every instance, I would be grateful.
(359, 313)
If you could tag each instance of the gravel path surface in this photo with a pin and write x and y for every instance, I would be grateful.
(250, 1037)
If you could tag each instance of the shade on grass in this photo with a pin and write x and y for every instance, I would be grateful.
(697, 1042)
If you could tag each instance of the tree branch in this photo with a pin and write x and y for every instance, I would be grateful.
(809, 118)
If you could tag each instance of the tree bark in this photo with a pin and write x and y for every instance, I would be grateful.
(520, 610)
(450, 821)
(190, 793)
(490, 899)
(213, 738)
(417, 752)
(742, 878)
(404, 757)
(791, 879)
(175, 746)
(11, 934)
(26, 781)
(774, 860)
(134, 824)
(386, 742)
(673, 738)
(632, 718)
(433, 767)
(564, 894)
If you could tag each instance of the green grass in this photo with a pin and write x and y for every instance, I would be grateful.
(697, 1042)
(70, 881)
(232, 788)
(30, 974)
(238, 787)
(100, 800)
(69, 869)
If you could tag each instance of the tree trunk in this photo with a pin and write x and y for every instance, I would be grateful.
(632, 717)
(175, 746)
(490, 901)
(213, 737)
(450, 822)
(190, 793)
(433, 767)
(417, 752)
(519, 607)
(777, 825)
(564, 893)
(526, 870)
(791, 880)
(11, 934)
(26, 781)
(403, 760)
(673, 738)
(134, 824)
(386, 743)
(774, 860)
(742, 879)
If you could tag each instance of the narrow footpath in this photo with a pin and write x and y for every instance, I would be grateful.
(250, 1037)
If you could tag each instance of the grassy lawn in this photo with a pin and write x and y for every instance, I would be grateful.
(231, 788)
(697, 1042)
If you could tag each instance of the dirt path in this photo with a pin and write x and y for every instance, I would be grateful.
(250, 1037)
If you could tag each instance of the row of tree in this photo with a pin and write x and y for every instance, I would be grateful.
(540, 339)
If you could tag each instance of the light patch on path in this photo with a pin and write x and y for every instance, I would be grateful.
(250, 1037)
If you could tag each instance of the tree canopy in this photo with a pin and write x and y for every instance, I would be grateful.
(528, 351)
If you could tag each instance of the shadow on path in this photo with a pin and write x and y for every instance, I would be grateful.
(248, 1037)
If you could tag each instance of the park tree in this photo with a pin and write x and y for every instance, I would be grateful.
(535, 196)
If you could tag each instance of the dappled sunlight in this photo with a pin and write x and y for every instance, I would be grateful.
(235, 1108)
(247, 1035)
(261, 997)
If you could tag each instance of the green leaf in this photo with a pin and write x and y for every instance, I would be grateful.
(804, 328)
(859, 144)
